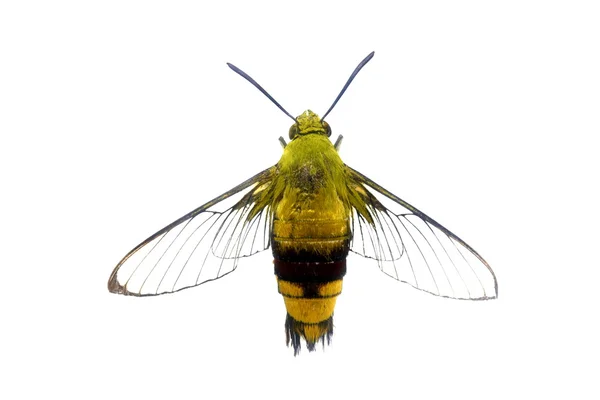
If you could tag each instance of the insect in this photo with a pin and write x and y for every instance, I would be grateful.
(311, 209)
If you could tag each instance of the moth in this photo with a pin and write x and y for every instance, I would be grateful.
(311, 209)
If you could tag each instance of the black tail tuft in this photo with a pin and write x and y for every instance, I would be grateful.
(297, 330)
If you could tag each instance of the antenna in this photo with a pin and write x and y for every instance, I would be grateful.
(256, 85)
(358, 68)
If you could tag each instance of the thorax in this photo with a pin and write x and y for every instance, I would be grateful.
(311, 174)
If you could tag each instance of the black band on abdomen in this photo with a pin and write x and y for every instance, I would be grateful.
(316, 271)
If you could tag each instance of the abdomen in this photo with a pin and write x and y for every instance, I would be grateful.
(310, 242)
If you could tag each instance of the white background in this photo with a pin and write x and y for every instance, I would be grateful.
(118, 117)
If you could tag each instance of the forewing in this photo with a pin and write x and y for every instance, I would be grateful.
(201, 246)
(413, 248)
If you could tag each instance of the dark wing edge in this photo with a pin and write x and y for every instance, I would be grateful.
(201, 246)
(412, 243)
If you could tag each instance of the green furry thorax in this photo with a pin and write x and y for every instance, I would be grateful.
(310, 164)
(312, 155)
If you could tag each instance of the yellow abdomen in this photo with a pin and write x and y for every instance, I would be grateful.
(315, 228)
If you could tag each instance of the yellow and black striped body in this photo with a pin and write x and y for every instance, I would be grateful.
(311, 234)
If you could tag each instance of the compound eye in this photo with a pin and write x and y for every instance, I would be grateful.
(293, 131)
(327, 128)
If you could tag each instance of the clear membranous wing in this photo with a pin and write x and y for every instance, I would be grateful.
(413, 248)
(201, 246)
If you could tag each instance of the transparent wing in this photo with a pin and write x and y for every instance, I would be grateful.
(201, 246)
(413, 248)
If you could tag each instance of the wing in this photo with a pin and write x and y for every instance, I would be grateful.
(413, 248)
(201, 246)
